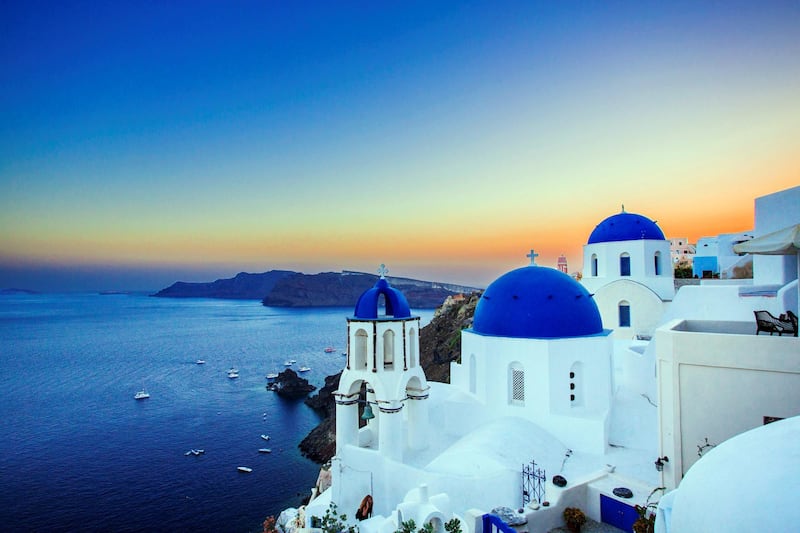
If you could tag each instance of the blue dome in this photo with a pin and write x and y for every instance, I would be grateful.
(396, 303)
(626, 227)
(536, 303)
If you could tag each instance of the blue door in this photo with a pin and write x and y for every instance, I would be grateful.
(617, 514)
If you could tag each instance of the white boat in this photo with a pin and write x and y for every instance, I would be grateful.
(288, 363)
(232, 374)
(201, 361)
(245, 469)
(272, 375)
(141, 395)
(195, 452)
(265, 437)
(304, 369)
(265, 450)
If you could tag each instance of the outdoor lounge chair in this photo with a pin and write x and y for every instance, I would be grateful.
(766, 322)
(793, 320)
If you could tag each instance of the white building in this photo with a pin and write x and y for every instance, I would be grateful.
(718, 379)
(540, 379)
(715, 256)
(626, 266)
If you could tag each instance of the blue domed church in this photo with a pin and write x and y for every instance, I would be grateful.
(538, 350)
(627, 267)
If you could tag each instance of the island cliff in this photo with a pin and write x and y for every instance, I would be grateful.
(440, 343)
(284, 288)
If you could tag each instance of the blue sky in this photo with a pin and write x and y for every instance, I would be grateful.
(145, 142)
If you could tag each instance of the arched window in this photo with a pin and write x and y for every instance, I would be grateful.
(594, 265)
(516, 382)
(624, 314)
(576, 385)
(657, 263)
(625, 264)
(360, 356)
(412, 348)
(388, 349)
(473, 374)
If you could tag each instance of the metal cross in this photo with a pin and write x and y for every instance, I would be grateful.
(533, 255)
(382, 271)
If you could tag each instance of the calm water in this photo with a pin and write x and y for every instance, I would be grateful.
(77, 452)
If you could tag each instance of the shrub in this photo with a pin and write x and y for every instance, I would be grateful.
(574, 518)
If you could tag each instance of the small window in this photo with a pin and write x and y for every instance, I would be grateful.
(624, 265)
(624, 315)
(517, 385)
(657, 263)
(594, 265)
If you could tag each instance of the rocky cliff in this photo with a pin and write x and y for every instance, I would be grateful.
(440, 343)
(344, 288)
(284, 288)
(243, 286)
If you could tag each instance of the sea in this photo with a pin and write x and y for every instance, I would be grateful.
(79, 453)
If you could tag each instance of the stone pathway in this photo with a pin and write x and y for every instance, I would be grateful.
(590, 527)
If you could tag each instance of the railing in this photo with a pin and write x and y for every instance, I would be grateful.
(494, 524)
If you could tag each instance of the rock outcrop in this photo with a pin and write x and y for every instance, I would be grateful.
(440, 343)
(291, 386)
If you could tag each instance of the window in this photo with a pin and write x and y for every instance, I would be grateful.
(412, 347)
(624, 314)
(360, 359)
(575, 392)
(625, 265)
(594, 265)
(388, 349)
(517, 389)
(657, 263)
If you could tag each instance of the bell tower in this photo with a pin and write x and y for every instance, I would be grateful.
(380, 403)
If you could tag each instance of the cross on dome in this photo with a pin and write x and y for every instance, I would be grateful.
(533, 255)
(382, 271)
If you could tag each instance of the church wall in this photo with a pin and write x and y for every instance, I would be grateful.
(646, 308)
(642, 264)
(715, 385)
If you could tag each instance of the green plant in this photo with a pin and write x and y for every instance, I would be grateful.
(453, 525)
(574, 518)
(646, 522)
(409, 526)
(333, 522)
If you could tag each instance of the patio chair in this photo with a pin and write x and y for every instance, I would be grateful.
(766, 322)
(793, 320)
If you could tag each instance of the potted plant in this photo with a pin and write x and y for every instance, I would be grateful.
(574, 518)
(646, 522)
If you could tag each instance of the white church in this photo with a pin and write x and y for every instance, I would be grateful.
(563, 397)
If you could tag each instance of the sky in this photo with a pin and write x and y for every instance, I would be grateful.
(147, 142)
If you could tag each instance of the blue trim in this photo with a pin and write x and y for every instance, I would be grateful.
(493, 523)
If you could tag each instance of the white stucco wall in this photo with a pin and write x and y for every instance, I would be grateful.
(716, 380)
(772, 213)
(582, 423)
(642, 254)
(646, 308)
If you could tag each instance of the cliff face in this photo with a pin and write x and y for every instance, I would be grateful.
(343, 290)
(284, 288)
(440, 343)
(243, 286)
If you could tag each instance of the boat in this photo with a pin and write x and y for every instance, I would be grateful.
(272, 375)
(265, 450)
(195, 452)
(288, 363)
(304, 369)
(201, 361)
(233, 373)
(245, 469)
(265, 437)
(141, 395)
(330, 349)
